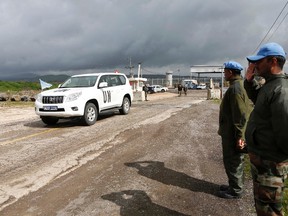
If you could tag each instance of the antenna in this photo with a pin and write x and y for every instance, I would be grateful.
(130, 67)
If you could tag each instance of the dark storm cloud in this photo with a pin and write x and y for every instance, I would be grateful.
(50, 36)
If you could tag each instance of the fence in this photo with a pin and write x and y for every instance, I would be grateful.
(175, 81)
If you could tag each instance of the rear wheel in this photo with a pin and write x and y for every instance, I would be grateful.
(125, 106)
(49, 120)
(90, 114)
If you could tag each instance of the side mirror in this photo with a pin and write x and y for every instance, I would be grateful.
(103, 84)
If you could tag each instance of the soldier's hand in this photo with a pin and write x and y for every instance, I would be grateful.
(240, 144)
(250, 73)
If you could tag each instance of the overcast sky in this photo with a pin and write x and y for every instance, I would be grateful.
(73, 36)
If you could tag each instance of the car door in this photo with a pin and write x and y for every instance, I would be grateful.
(157, 88)
(117, 89)
(107, 93)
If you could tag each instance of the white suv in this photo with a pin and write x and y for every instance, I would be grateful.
(159, 88)
(85, 96)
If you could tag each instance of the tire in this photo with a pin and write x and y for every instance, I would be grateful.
(125, 108)
(90, 114)
(49, 120)
(162, 90)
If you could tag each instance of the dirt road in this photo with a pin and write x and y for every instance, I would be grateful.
(163, 158)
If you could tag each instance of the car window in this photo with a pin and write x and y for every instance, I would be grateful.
(114, 81)
(82, 81)
(122, 80)
(103, 78)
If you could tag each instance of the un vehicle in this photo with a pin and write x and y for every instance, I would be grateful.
(85, 96)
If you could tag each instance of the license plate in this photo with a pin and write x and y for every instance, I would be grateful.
(52, 108)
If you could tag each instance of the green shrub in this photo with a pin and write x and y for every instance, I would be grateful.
(18, 86)
(11, 86)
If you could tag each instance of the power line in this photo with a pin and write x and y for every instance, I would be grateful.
(278, 26)
(151, 72)
(271, 27)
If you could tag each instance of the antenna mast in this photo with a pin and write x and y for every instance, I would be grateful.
(130, 67)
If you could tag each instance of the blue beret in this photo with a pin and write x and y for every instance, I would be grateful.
(233, 65)
(269, 49)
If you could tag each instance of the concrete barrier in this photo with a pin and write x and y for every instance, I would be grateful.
(139, 96)
(213, 94)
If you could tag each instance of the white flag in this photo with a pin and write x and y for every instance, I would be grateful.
(44, 85)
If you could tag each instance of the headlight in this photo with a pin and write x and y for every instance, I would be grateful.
(39, 98)
(73, 97)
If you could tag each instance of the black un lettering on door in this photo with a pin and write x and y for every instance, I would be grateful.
(106, 96)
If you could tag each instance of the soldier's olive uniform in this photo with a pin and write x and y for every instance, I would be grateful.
(267, 138)
(235, 109)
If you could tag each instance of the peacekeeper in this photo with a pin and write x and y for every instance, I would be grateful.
(267, 129)
(235, 110)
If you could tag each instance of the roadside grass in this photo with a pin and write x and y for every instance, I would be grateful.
(247, 169)
(11, 86)
(217, 101)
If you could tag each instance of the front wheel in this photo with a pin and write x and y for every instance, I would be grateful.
(125, 106)
(49, 120)
(90, 114)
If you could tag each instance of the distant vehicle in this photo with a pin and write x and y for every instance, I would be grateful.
(151, 89)
(191, 84)
(201, 86)
(158, 88)
(85, 96)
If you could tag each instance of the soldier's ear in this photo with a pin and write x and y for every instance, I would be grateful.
(231, 72)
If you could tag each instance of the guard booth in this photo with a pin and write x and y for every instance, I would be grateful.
(137, 87)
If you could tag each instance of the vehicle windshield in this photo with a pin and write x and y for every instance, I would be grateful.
(80, 81)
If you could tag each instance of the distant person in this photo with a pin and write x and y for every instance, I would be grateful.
(267, 129)
(185, 88)
(145, 89)
(234, 113)
(180, 87)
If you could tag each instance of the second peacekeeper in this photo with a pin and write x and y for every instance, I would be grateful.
(267, 134)
(234, 113)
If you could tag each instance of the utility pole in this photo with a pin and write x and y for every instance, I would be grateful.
(130, 67)
(139, 70)
(140, 63)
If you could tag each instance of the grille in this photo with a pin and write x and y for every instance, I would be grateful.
(52, 99)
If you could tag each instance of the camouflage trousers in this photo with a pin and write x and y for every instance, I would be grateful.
(268, 184)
